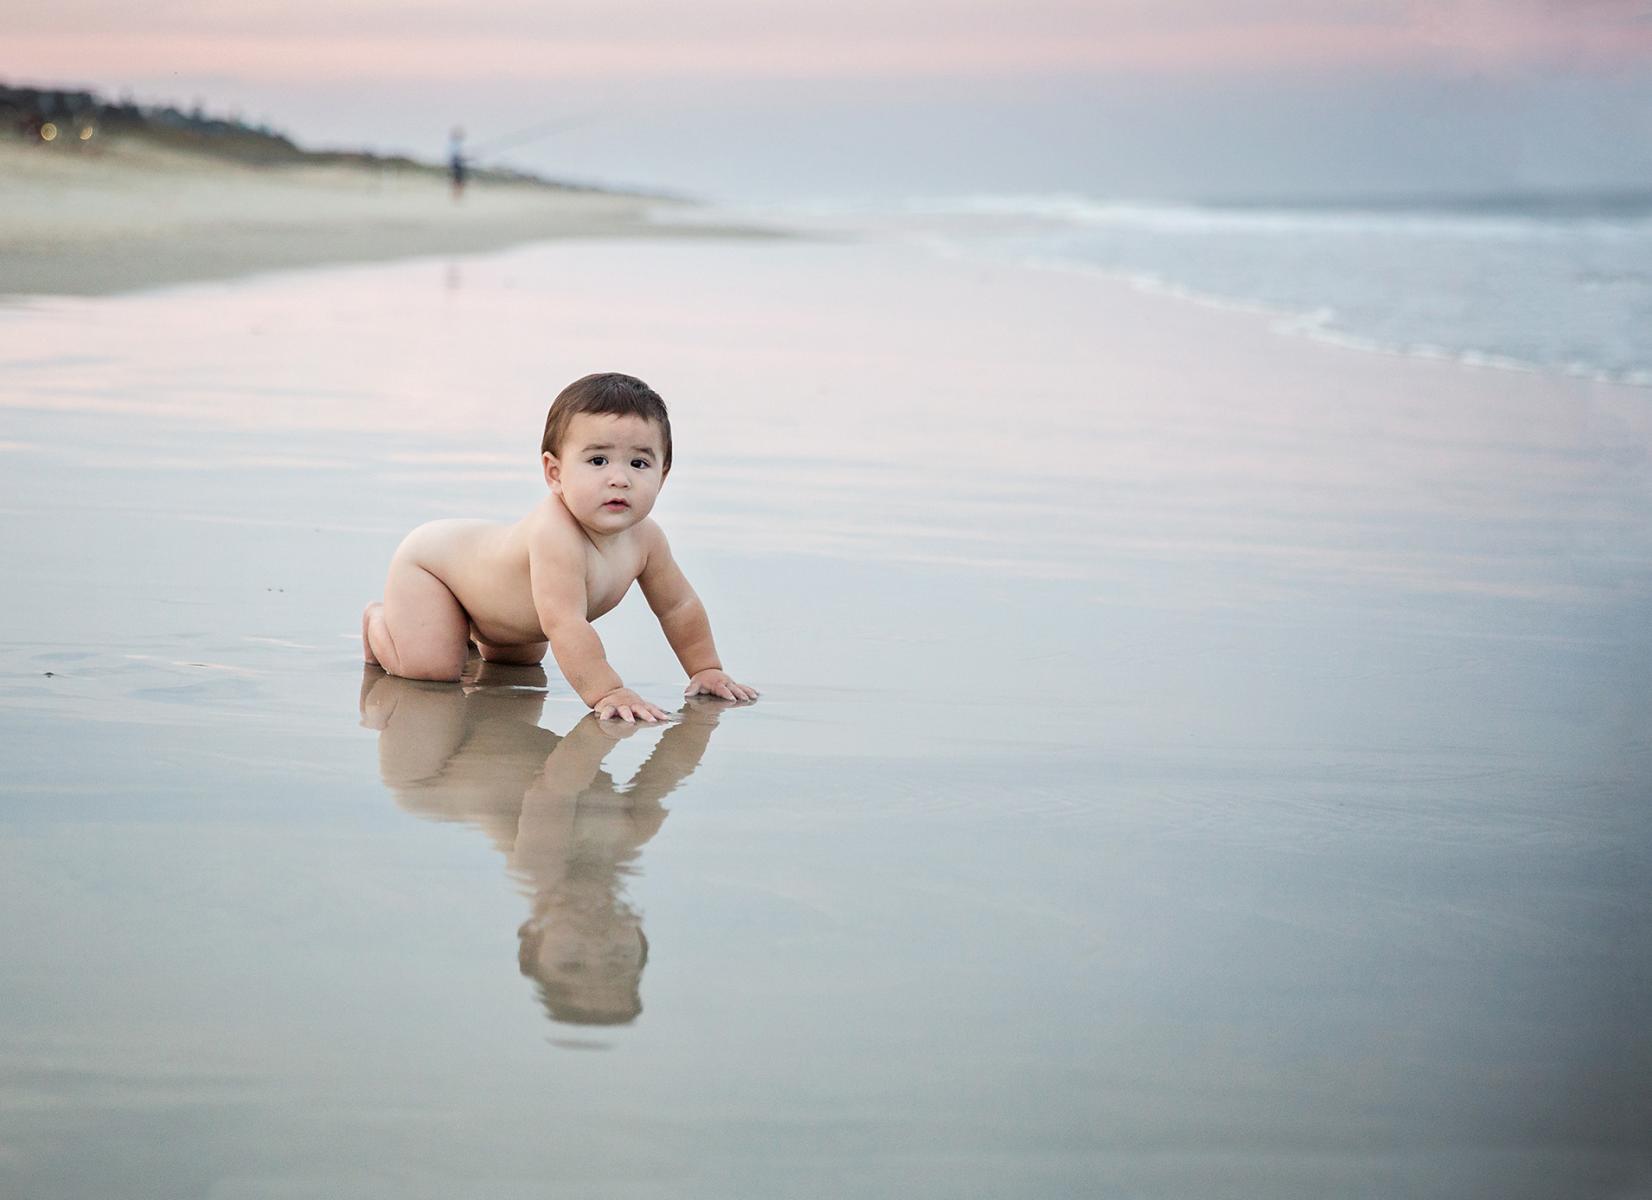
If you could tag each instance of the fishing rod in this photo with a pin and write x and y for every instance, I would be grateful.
(532, 133)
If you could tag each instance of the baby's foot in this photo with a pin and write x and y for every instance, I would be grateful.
(367, 646)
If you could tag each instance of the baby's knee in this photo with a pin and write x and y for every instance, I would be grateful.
(435, 668)
(530, 655)
(431, 658)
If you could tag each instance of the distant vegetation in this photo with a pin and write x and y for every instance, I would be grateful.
(81, 120)
(56, 115)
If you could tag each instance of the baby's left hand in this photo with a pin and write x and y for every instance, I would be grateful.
(716, 682)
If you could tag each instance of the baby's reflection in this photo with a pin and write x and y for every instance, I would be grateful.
(475, 753)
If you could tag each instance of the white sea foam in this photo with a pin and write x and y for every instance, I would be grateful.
(1351, 220)
(1543, 284)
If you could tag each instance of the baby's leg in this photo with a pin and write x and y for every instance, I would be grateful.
(529, 654)
(420, 728)
(420, 631)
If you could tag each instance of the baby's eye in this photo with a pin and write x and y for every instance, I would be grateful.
(640, 463)
(599, 460)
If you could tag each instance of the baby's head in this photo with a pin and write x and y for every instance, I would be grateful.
(606, 395)
(587, 960)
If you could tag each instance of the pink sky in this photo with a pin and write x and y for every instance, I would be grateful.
(443, 40)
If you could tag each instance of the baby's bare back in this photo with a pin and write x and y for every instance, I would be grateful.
(485, 565)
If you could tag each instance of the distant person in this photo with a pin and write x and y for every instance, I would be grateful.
(456, 161)
(519, 589)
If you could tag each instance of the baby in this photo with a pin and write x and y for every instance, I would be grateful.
(517, 589)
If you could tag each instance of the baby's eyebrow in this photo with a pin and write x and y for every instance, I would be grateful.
(610, 446)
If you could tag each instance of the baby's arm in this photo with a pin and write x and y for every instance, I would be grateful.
(556, 570)
(683, 618)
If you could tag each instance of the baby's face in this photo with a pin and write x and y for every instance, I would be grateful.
(608, 472)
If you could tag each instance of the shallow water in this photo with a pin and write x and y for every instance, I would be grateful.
(1191, 762)
(1533, 282)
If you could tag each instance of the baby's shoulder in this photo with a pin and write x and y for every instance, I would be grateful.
(647, 543)
(551, 529)
(648, 534)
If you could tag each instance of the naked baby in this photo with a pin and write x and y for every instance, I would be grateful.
(516, 590)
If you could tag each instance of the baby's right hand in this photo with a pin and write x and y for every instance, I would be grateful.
(628, 706)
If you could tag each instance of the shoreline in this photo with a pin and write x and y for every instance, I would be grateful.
(1304, 324)
(130, 214)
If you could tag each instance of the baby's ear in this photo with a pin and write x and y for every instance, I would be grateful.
(553, 472)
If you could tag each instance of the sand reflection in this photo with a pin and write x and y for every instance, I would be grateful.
(476, 753)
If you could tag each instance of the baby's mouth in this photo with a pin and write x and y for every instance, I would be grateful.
(616, 505)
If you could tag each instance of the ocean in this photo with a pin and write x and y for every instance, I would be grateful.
(1544, 282)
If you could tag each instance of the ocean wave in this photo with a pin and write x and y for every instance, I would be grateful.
(1483, 222)
(1556, 284)
(1324, 324)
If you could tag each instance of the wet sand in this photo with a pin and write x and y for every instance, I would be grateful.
(127, 214)
(1192, 761)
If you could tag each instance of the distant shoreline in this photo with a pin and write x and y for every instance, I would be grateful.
(76, 116)
(153, 197)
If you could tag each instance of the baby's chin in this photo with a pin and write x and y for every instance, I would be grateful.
(612, 520)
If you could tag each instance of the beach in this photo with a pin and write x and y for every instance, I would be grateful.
(130, 213)
(1193, 760)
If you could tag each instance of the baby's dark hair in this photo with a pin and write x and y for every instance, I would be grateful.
(606, 394)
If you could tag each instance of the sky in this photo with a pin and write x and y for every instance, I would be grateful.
(810, 98)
